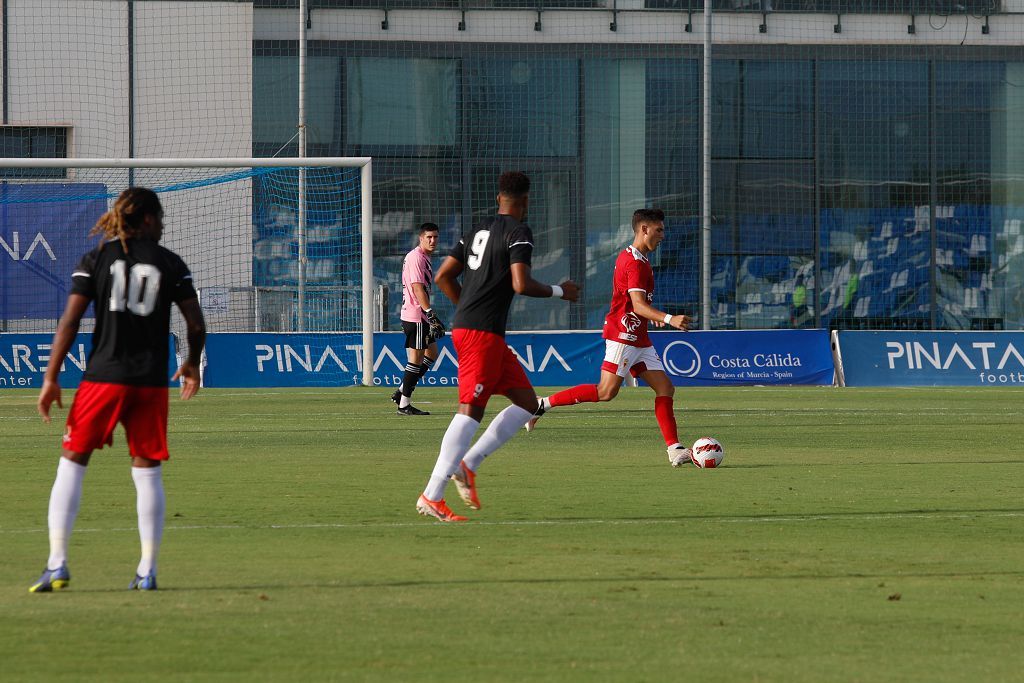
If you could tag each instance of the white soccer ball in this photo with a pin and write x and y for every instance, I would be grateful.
(707, 452)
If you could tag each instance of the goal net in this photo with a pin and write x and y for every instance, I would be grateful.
(273, 245)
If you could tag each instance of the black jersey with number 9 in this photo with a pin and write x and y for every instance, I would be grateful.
(488, 253)
(132, 295)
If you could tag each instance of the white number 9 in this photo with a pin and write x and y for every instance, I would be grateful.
(476, 256)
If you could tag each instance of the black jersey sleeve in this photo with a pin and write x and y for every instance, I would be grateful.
(183, 289)
(458, 252)
(83, 278)
(520, 244)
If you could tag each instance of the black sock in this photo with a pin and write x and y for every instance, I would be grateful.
(427, 363)
(409, 379)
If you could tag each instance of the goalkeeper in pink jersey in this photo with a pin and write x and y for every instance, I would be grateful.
(420, 323)
(628, 348)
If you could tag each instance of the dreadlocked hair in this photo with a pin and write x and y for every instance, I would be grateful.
(126, 217)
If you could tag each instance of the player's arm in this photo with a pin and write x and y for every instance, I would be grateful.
(419, 290)
(645, 310)
(523, 283)
(195, 326)
(437, 328)
(447, 279)
(63, 338)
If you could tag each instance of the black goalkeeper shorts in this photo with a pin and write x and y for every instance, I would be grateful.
(417, 335)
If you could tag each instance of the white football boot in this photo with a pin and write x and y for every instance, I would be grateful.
(680, 455)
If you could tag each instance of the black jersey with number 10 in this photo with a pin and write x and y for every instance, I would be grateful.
(488, 253)
(132, 295)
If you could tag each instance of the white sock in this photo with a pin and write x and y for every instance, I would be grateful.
(502, 428)
(149, 486)
(64, 499)
(453, 447)
(404, 401)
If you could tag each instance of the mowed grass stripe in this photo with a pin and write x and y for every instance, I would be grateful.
(766, 519)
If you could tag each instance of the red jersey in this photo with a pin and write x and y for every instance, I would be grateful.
(632, 274)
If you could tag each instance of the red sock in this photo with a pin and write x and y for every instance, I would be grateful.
(584, 393)
(666, 419)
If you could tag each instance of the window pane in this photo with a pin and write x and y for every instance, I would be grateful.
(673, 149)
(33, 142)
(401, 102)
(275, 93)
(874, 194)
(521, 106)
(874, 128)
(974, 239)
(725, 109)
(762, 109)
(762, 242)
(778, 110)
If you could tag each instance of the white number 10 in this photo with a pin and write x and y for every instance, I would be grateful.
(476, 256)
(142, 276)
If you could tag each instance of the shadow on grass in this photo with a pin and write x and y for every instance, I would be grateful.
(567, 580)
(862, 463)
(774, 517)
(424, 524)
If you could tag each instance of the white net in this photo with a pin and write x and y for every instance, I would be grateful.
(238, 229)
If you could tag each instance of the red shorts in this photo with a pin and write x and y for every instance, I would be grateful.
(486, 366)
(99, 406)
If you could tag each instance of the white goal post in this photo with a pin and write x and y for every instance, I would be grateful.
(128, 178)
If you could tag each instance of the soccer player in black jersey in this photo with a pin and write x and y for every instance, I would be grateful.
(133, 282)
(494, 261)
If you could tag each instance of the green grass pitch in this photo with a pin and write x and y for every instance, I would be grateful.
(852, 535)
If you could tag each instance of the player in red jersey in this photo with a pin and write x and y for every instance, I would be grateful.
(628, 348)
(133, 282)
(494, 262)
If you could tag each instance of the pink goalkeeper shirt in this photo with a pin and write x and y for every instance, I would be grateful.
(416, 268)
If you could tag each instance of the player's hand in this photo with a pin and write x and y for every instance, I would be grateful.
(47, 395)
(189, 376)
(570, 290)
(658, 323)
(437, 328)
(680, 322)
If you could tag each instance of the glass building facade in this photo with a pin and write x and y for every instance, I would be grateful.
(875, 188)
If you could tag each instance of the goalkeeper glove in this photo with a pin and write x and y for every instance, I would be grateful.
(437, 328)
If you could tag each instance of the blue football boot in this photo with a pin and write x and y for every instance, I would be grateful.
(143, 583)
(51, 580)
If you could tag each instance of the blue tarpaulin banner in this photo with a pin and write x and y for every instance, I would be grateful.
(325, 359)
(25, 357)
(931, 358)
(44, 230)
(746, 357)
(549, 358)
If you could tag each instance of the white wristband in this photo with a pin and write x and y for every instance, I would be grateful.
(668, 318)
(556, 292)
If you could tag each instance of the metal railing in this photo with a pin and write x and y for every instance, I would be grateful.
(916, 7)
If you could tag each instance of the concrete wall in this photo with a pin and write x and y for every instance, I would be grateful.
(68, 65)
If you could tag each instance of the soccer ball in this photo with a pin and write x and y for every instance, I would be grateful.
(707, 452)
